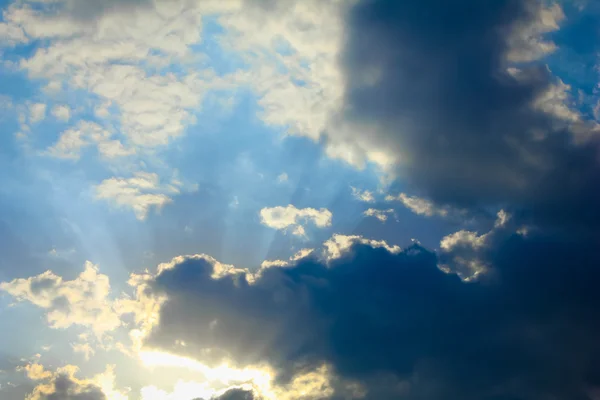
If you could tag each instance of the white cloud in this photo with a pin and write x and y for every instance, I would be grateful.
(419, 205)
(526, 41)
(363, 195)
(290, 217)
(462, 238)
(82, 301)
(37, 112)
(555, 101)
(463, 249)
(85, 133)
(62, 112)
(121, 54)
(502, 219)
(283, 177)
(303, 94)
(303, 253)
(293, 50)
(122, 67)
(11, 34)
(338, 245)
(139, 193)
(381, 215)
(84, 348)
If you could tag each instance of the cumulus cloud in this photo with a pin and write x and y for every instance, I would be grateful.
(115, 54)
(362, 195)
(338, 245)
(301, 87)
(419, 205)
(85, 133)
(527, 42)
(463, 252)
(62, 113)
(37, 112)
(281, 263)
(283, 177)
(294, 219)
(84, 348)
(140, 193)
(62, 385)
(394, 322)
(381, 215)
(82, 301)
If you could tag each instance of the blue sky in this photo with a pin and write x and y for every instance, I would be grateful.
(276, 144)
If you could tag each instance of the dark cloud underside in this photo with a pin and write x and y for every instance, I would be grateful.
(528, 332)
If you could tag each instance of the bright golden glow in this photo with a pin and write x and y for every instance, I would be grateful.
(216, 379)
(219, 379)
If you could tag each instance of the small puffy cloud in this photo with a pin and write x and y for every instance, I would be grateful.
(339, 245)
(362, 195)
(62, 112)
(283, 177)
(82, 301)
(501, 219)
(303, 253)
(462, 252)
(419, 205)
(37, 112)
(140, 193)
(86, 133)
(381, 215)
(294, 219)
(84, 348)
(36, 372)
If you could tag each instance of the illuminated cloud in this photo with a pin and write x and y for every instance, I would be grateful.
(294, 219)
(352, 310)
(62, 384)
(363, 195)
(82, 301)
(449, 100)
(37, 112)
(283, 177)
(73, 140)
(62, 113)
(338, 245)
(140, 192)
(381, 215)
(419, 205)
(84, 348)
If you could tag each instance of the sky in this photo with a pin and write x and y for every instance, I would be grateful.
(299, 200)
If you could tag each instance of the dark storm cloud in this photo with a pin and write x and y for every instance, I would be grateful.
(429, 80)
(529, 331)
